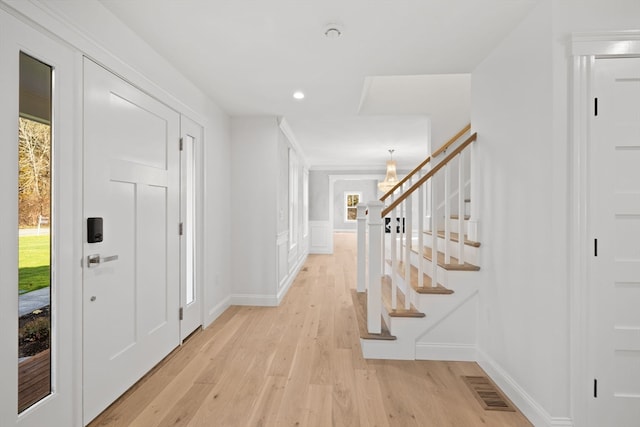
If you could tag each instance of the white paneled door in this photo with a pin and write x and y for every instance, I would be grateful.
(615, 276)
(131, 283)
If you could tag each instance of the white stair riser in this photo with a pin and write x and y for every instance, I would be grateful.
(454, 335)
(453, 224)
(446, 333)
(426, 268)
(471, 253)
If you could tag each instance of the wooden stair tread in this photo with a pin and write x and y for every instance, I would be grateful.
(454, 238)
(453, 266)
(360, 305)
(400, 311)
(426, 288)
(456, 216)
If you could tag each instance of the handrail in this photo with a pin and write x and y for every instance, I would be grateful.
(429, 174)
(451, 141)
(425, 161)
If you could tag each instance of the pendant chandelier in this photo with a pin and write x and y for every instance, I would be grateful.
(392, 178)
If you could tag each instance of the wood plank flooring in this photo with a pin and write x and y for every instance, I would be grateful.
(300, 364)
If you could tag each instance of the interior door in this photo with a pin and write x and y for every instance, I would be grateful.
(191, 227)
(615, 275)
(131, 257)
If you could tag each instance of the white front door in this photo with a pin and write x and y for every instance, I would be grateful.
(191, 227)
(614, 314)
(131, 278)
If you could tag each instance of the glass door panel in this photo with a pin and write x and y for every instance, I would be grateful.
(34, 221)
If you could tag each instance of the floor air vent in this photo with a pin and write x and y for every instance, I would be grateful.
(488, 394)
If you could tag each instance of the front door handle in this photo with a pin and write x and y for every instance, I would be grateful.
(95, 260)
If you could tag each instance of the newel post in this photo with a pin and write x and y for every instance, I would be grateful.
(362, 247)
(374, 291)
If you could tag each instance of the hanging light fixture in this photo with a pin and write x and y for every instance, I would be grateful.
(392, 178)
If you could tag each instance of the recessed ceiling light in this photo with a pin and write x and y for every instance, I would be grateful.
(298, 95)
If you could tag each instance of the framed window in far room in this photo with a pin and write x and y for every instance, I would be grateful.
(351, 200)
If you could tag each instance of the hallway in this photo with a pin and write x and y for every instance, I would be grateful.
(300, 364)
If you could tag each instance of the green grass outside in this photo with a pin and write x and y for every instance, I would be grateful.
(34, 261)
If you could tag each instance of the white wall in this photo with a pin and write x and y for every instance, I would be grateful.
(523, 324)
(263, 262)
(520, 110)
(254, 178)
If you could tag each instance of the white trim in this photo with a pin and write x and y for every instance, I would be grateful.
(254, 299)
(345, 194)
(614, 43)
(351, 177)
(288, 133)
(529, 407)
(47, 15)
(446, 351)
(585, 47)
(291, 277)
(320, 237)
(216, 311)
(356, 168)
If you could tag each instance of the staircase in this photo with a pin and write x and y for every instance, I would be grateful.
(410, 306)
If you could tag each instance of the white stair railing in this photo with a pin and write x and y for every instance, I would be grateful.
(400, 211)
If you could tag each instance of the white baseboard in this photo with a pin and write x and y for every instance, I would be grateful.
(346, 230)
(216, 311)
(446, 351)
(269, 300)
(253, 299)
(531, 409)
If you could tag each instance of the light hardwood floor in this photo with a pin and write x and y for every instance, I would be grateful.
(300, 364)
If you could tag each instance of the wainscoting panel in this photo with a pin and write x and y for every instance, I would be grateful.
(321, 237)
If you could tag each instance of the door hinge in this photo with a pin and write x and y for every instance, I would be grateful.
(595, 247)
(595, 106)
(181, 228)
(181, 144)
(181, 314)
(595, 387)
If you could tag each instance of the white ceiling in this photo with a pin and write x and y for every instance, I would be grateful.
(371, 89)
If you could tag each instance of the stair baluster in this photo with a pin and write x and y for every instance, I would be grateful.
(447, 213)
(394, 256)
(434, 239)
(362, 246)
(374, 291)
(461, 217)
(408, 237)
(420, 233)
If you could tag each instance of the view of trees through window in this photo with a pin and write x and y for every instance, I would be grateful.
(34, 224)
(34, 156)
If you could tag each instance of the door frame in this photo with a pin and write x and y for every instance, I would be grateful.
(585, 49)
(16, 35)
(189, 127)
